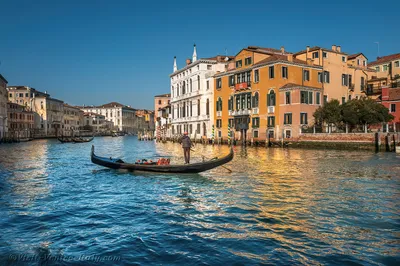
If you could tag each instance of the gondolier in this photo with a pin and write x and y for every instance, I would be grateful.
(186, 145)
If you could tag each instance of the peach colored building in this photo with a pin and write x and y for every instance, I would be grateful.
(20, 121)
(251, 98)
(387, 74)
(161, 101)
(3, 107)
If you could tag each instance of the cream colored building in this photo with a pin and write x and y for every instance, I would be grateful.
(122, 116)
(343, 76)
(3, 107)
(387, 73)
(73, 120)
(48, 111)
(98, 123)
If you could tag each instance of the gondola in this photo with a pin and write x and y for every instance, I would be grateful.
(187, 168)
(75, 140)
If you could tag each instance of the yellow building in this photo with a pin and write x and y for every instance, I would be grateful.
(387, 74)
(250, 94)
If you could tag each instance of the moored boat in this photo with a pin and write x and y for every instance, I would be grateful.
(187, 168)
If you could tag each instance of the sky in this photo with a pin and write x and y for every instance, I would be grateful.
(95, 51)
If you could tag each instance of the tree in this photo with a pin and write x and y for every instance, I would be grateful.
(330, 113)
(350, 113)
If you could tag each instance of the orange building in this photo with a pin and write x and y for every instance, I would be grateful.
(263, 93)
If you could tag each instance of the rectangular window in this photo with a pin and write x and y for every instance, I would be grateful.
(208, 84)
(219, 123)
(318, 98)
(284, 72)
(287, 97)
(397, 64)
(230, 122)
(362, 85)
(306, 75)
(345, 80)
(349, 97)
(232, 80)
(247, 61)
(364, 63)
(271, 121)
(238, 79)
(26, 95)
(327, 78)
(271, 72)
(10, 95)
(324, 55)
(255, 134)
(310, 97)
(325, 98)
(287, 119)
(256, 75)
(358, 62)
(392, 107)
(303, 119)
(315, 55)
(209, 67)
(385, 67)
(343, 100)
(343, 59)
(238, 63)
(320, 80)
(219, 83)
(21, 95)
(304, 97)
(377, 69)
(255, 122)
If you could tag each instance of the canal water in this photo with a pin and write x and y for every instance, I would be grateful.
(277, 207)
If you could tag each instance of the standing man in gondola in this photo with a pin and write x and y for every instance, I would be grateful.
(186, 145)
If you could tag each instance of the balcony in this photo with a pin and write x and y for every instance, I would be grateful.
(255, 111)
(351, 87)
(230, 112)
(271, 109)
(241, 112)
(242, 86)
(373, 90)
(219, 113)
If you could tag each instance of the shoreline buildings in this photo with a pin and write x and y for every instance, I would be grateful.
(162, 115)
(3, 107)
(192, 89)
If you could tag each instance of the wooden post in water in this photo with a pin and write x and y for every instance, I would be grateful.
(377, 141)
(394, 143)
(387, 142)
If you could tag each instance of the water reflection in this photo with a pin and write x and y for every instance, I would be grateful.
(278, 206)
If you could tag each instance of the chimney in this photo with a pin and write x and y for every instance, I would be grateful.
(188, 61)
(290, 57)
(282, 50)
(333, 47)
(307, 51)
(339, 49)
(175, 67)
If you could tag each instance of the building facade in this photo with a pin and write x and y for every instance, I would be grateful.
(160, 101)
(386, 74)
(73, 120)
(48, 111)
(391, 99)
(20, 121)
(97, 123)
(122, 116)
(192, 101)
(3, 107)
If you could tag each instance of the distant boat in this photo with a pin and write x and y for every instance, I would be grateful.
(75, 140)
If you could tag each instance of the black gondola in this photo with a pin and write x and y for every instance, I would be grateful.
(75, 140)
(187, 168)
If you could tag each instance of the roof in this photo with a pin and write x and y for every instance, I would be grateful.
(3, 78)
(164, 95)
(70, 106)
(352, 56)
(314, 48)
(394, 94)
(115, 104)
(210, 60)
(385, 59)
(277, 57)
(293, 85)
(220, 58)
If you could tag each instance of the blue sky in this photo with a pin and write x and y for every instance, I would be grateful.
(93, 52)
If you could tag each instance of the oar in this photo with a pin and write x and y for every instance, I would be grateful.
(230, 171)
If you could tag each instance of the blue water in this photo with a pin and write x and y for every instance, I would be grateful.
(277, 207)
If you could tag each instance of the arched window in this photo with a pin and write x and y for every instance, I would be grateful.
(177, 89)
(255, 100)
(172, 91)
(198, 107)
(230, 103)
(198, 82)
(219, 104)
(208, 107)
(183, 87)
(191, 85)
(271, 99)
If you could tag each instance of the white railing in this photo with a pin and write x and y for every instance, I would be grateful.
(255, 111)
(219, 113)
(271, 109)
(231, 112)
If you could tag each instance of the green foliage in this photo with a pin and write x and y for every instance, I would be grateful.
(364, 111)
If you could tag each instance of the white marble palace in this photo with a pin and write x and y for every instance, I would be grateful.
(192, 95)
